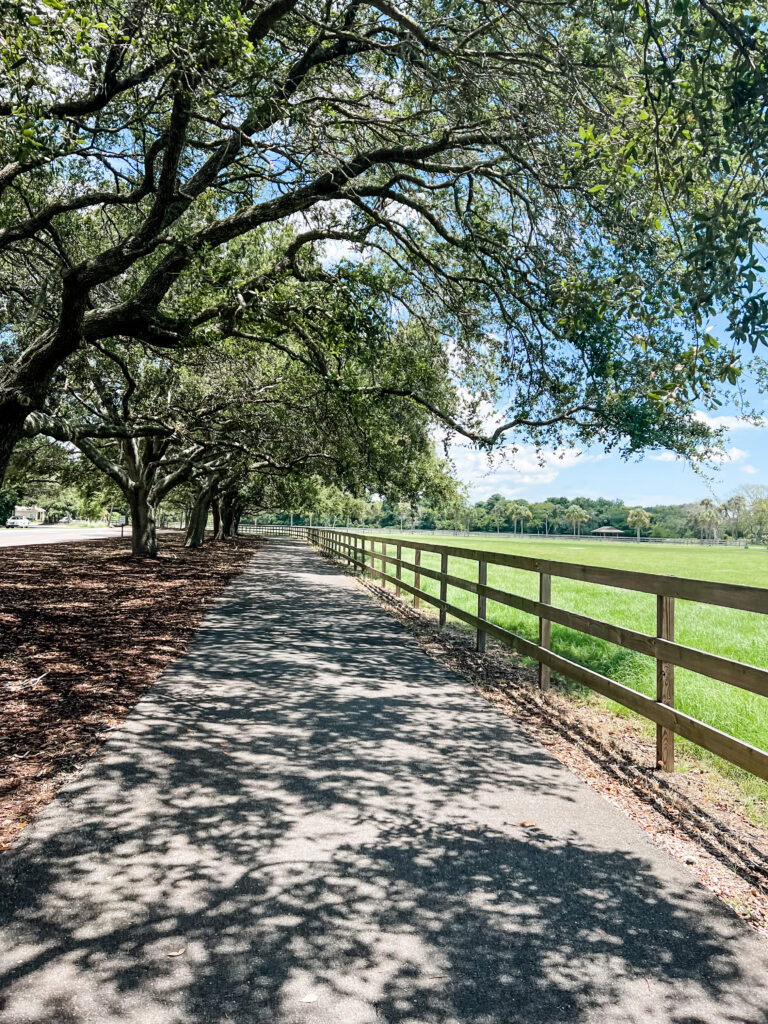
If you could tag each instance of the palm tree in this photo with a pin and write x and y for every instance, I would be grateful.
(525, 515)
(735, 509)
(576, 515)
(709, 517)
(516, 512)
(640, 519)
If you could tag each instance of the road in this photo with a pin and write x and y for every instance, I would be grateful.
(309, 821)
(55, 535)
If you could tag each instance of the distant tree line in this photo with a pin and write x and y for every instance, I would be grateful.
(743, 515)
(64, 483)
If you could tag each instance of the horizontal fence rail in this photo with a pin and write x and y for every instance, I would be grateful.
(358, 549)
(280, 530)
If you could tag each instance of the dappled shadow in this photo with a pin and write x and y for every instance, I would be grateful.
(84, 631)
(333, 828)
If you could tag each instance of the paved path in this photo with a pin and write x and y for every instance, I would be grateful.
(327, 823)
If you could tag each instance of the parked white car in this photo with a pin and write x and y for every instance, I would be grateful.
(20, 521)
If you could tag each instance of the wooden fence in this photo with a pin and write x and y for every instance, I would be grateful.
(359, 550)
(278, 530)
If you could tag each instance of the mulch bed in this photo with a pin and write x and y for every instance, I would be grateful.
(694, 814)
(85, 629)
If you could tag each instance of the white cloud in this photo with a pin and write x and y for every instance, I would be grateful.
(516, 472)
(737, 454)
(752, 470)
(728, 422)
(729, 455)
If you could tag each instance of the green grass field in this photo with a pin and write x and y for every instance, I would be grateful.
(742, 636)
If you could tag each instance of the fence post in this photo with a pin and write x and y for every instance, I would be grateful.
(665, 682)
(482, 580)
(383, 563)
(417, 577)
(398, 570)
(443, 587)
(545, 628)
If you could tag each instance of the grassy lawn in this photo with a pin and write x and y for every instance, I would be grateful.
(742, 636)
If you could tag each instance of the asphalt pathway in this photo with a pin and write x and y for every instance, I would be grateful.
(327, 826)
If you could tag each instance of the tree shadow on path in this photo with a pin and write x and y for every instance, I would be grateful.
(333, 828)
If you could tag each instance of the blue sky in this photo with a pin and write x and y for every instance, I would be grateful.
(658, 478)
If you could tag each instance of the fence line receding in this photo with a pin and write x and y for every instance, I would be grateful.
(359, 550)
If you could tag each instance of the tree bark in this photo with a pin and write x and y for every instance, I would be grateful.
(236, 521)
(228, 513)
(198, 518)
(143, 526)
(216, 510)
(11, 428)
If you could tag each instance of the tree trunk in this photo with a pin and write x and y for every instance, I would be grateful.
(143, 527)
(229, 509)
(216, 510)
(198, 517)
(11, 427)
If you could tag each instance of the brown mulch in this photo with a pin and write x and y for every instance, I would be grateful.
(694, 814)
(85, 629)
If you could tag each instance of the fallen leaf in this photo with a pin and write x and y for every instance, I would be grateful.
(527, 824)
(177, 952)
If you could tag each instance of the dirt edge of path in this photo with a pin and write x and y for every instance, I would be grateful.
(726, 853)
(85, 631)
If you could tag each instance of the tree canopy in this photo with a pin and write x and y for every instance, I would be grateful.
(530, 208)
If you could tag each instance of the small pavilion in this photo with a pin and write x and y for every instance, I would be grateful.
(607, 531)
